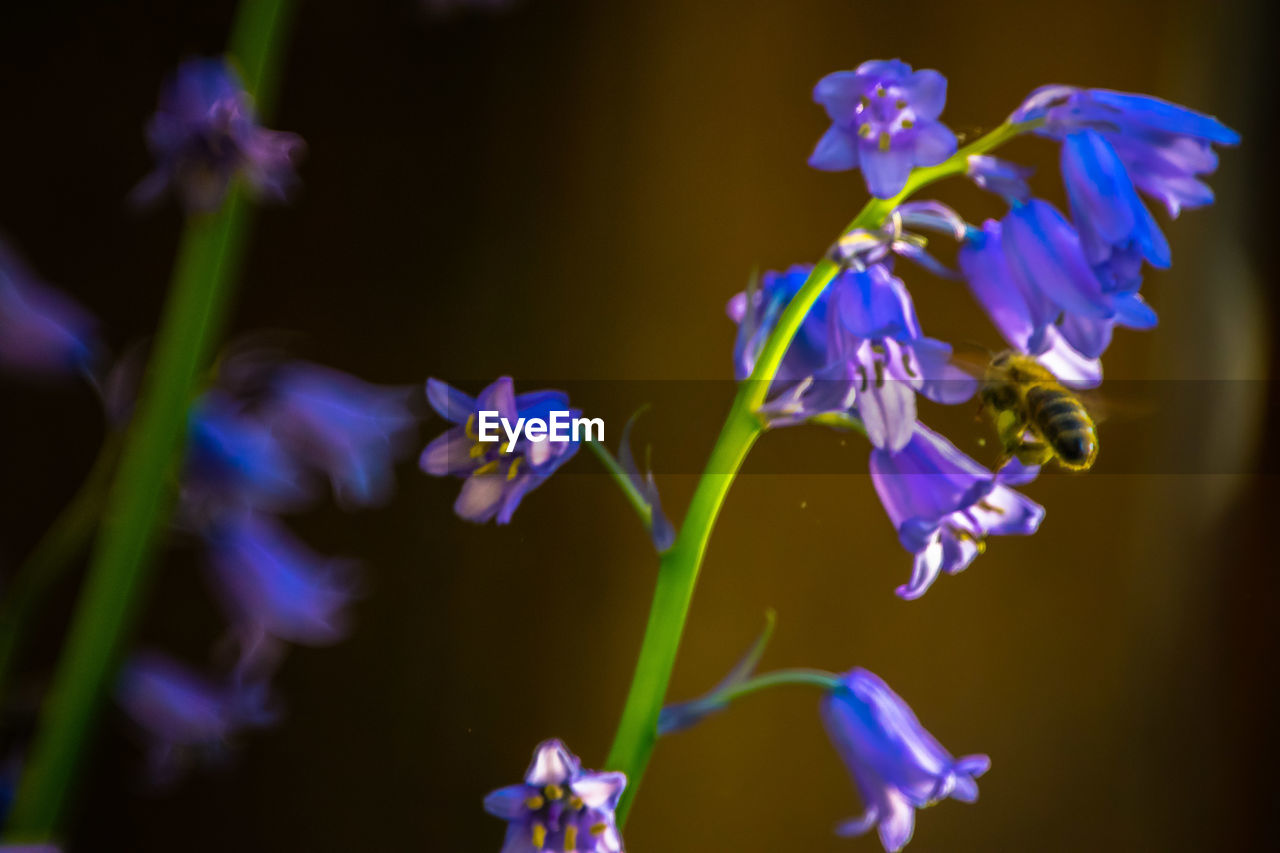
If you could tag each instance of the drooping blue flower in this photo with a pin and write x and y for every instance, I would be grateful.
(234, 461)
(42, 332)
(497, 474)
(274, 588)
(896, 764)
(349, 430)
(944, 505)
(661, 530)
(1022, 314)
(1164, 147)
(559, 808)
(873, 328)
(884, 121)
(184, 714)
(1045, 252)
(204, 134)
(756, 311)
(1106, 209)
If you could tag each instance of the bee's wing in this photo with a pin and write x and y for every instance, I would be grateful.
(1116, 405)
(971, 358)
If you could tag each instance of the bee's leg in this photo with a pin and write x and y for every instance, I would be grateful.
(1034, 452)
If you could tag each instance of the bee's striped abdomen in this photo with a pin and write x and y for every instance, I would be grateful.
(1064, 424)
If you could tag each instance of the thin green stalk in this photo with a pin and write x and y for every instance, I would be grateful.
(678, 568)
(629, 490)
(208, 263)
(52, 556)
(819, 678)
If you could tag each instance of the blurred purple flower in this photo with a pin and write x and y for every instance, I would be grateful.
(1164, 147)
(275, 588)
(497, 474)
(896, 764)
(559, 807)
(944, 505)
(42, 331)
(1021, 313)
(234, 461)
(883, 121)
(204, 134)
(348, 429)
(182, 712)
(661, 531)
(874, 329)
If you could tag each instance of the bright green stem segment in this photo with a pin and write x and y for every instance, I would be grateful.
(678, 569)
(819, 678)
(140, 497)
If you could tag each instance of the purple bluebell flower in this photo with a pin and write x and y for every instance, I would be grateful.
(234, 461)
(862, 248)
(275, 588)
(497, 474)
(1164, 147)
(42, 331)
(1005, 179)
(559, 807)
(884, 121)
(351, 431)
(896, 764)
(1046, 253)
(1021, 313)
(874, 328)
(204, 134)
(944, 505)
(183, 713)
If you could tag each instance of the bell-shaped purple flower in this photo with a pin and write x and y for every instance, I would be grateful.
(944, 505)
(235, 461)
(896, 764)
(182, 712)
(874, 329)
(1021, 313)
(349, 430)
(204, 134)
(1164, 147)
(884, 121)
(756, 311)
(1046, 253)
(42, 331)
(497, 474)
(275, 588)
(559, 808)
(1005, 179)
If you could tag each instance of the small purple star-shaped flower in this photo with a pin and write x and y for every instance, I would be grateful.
(884, 121)
(559, 808)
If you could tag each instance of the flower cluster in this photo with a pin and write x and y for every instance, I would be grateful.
(204, 134)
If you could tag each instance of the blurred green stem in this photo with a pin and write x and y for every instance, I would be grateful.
(52, 556)
(139, 499)
(678, 567)
(629, 490)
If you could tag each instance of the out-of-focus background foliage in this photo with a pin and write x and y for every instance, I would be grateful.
(572, 190)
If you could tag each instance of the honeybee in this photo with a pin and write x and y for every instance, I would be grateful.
(1036, 417)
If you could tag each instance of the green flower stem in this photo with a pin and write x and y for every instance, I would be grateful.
(678, 567)
(140, 497)
(52, 556)
(819, 678)
(629, 491)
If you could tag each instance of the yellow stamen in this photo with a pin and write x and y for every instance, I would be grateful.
(599, 828)
(865, 131)
(477, 450)
(487, 468)
(534, 803)
(539, 835)
(907, 124)
(511, 472)
(553, 792)
(470, 428)
(570, 838)
(575, 802)
(884, 140)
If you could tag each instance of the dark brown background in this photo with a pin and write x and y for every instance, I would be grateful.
(572, 190)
